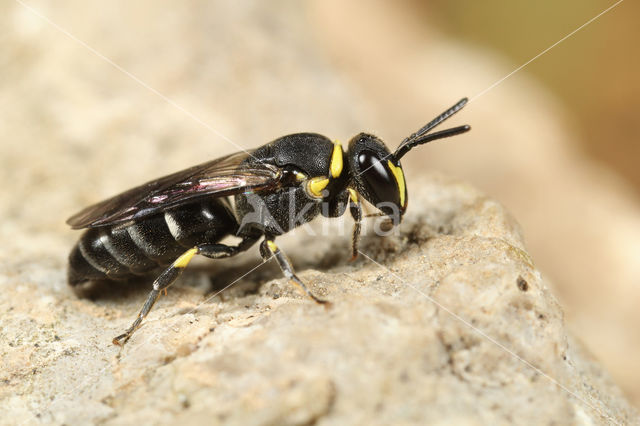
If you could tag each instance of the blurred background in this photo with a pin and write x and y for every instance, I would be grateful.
(557, 143)
(595, 74)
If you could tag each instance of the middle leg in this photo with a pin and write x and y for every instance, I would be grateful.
(267, 248)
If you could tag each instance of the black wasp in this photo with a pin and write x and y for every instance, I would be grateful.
(169, 220)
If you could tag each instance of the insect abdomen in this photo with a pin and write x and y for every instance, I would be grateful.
(122, 251)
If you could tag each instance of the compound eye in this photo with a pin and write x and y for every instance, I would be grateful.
(379, 180)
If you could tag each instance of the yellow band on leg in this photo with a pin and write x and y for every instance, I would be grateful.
(272, 246)
(353, 195)
(185, 258)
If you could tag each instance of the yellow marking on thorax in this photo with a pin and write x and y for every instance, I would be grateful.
(272, 246)
(185, 258)
(335, 167)
(399, 175)
(353, 195)
(316, 185)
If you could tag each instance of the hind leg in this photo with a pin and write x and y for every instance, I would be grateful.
(169, 276)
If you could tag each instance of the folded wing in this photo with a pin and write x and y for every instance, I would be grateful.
(221, 177)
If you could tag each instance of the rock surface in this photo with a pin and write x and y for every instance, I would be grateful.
(446, 321)
(75, 130)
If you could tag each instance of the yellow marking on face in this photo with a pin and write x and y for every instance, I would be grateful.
(335, 167)
(316, 185)
(399, 175)
(300, 176)
(354, 195)
(185, 258)
(272, 246)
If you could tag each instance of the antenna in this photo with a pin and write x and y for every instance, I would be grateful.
(421, 136)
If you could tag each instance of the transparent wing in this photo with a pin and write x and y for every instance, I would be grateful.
(219, 178)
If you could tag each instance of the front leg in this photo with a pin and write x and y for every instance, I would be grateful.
(269, 248)
(356, 214)
(338, 206)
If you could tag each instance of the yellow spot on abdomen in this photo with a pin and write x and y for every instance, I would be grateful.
(399, 175)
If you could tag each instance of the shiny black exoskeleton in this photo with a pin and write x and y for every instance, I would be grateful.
(254, 195)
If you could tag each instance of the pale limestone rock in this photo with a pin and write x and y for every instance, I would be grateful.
(447, 321)
(74, 130)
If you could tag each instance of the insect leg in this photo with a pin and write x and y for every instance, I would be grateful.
(356, 213)
(166, 278)
(169, 275)
(268, 248)
(219, 251)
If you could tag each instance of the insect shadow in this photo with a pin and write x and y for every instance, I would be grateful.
(216, 276)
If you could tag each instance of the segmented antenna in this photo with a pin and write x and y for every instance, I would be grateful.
(421, 136)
